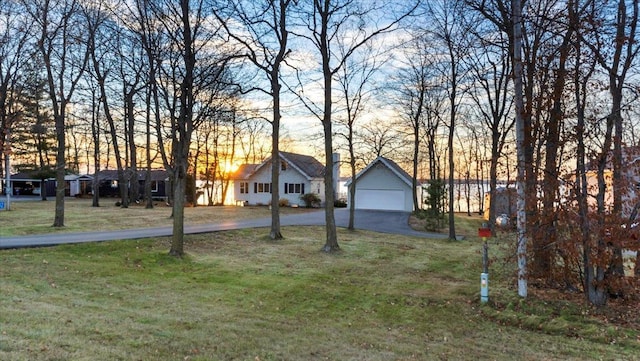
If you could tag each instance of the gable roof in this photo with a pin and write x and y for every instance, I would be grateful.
(244, 171)
(306, 165)
(392, 166)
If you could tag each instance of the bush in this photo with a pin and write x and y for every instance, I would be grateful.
(283, 202)
(311, 200)
(434, 215)
(433, 221)
(340, 203)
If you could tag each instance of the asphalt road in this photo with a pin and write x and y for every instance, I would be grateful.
(378, 221)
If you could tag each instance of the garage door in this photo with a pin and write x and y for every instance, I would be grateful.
(390, 200)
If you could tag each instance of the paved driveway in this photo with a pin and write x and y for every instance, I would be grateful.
(379, 221)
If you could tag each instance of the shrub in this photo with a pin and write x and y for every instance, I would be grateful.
(435, 221)
(283, 202)
(340, 203)
(434, 215)
(311, 200)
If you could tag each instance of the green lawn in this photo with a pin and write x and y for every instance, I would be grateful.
(36, 217)
(239, 296)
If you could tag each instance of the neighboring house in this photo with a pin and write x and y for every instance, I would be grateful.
(383, 185)
(26, 183)
(108, 183)
(631, 179)
(299, 174)
(505, 200)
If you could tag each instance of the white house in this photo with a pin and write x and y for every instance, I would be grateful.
(299, 174)
(383, 185)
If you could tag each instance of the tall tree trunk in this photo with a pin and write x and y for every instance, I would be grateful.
(542, 245)
(183, 132)
(451, 181)
(134, 188)
(493, 175)
(331, 244)
(179, 191)
(416, 144)
(352, 189)
(147, 174)
(95, 132)
(60, 169)
(275, 232)
(352, 168)
(521, 224)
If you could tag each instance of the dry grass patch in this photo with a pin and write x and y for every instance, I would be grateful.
(239, 296)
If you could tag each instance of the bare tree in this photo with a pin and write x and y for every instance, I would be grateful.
(414, 85)
(193, 75)
(490, 66)
(96, 130)
(451, 33)
(353, 81)
(266, 47)
(378, 139)
(148, 30)
(593, 274)
(252, 130)
(520, 145)
(13, 44)
(615, 48)
(60, 30)
(326, 21)
(103, 42)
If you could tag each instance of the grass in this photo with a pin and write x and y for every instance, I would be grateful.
(36, 217)
(239, 296)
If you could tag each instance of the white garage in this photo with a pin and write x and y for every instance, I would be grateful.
(383, 185)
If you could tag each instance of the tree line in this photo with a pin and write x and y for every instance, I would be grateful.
(196, 86)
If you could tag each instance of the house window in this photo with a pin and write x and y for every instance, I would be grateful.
(114, 184)
(154, 186)
(295, 188)
(244, 187)
(262, 187)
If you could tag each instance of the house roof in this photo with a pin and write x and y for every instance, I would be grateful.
(244, 171)
(33, 176)
(393, 166)
(305, 164)
(112, 174)
(28, 176)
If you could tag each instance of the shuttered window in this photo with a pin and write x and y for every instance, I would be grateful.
(294, 188)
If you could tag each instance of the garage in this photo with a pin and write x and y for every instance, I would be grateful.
(388, 200)
(383, 185)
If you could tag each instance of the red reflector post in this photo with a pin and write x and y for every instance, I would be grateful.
(484, 232)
